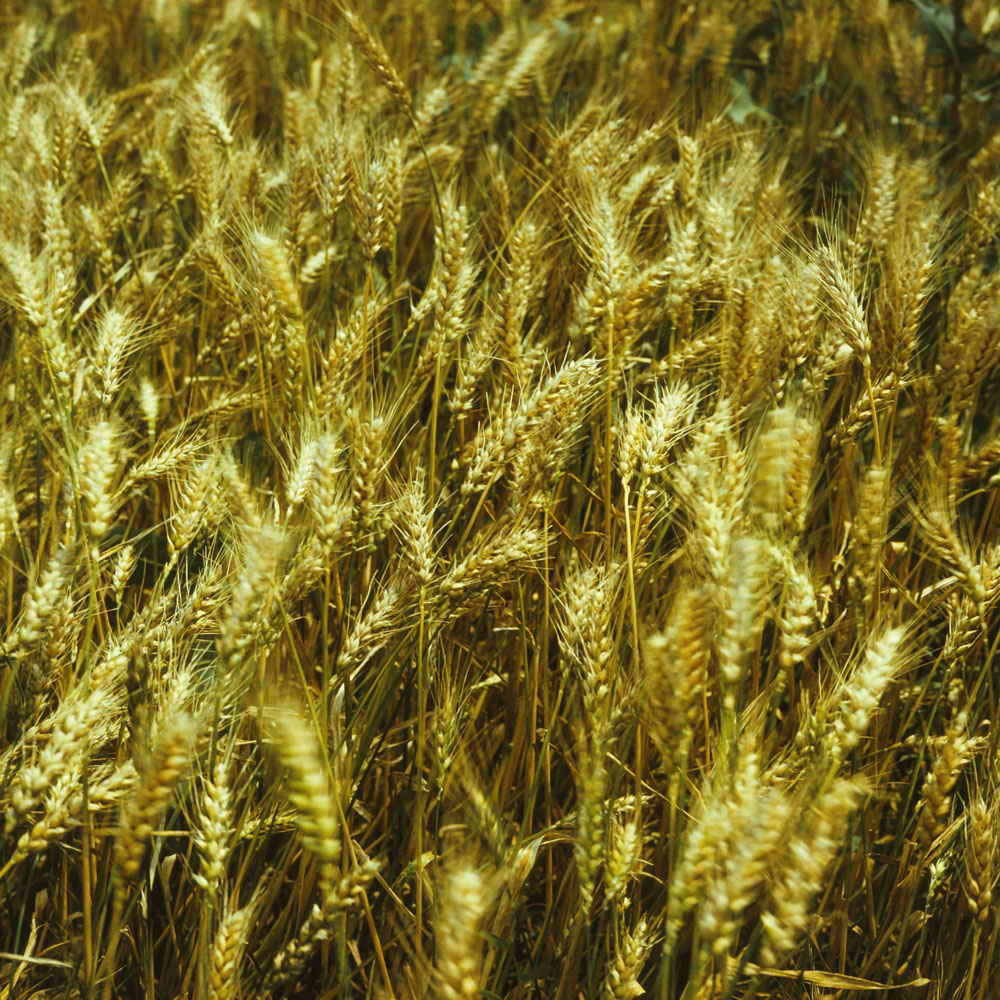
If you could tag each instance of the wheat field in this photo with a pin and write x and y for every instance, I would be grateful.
(499, 499)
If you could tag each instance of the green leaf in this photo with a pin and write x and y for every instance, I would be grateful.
(497, 942)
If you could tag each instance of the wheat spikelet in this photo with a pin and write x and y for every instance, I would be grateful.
(621, 982)
(623, 857)
(454, 279)
(676, 669)
(760, 841)
(97, 472)
(416, 526)
(463, 904)
(227, 949)
(589, 847)
(562, 394)
(862, 692)
(40, 602)
(981, 859)
(68, 733)
(212, 838)
(784, 465)
(246, 616)
(869, 526)
(308, 786)
(508, 546)
(810, 853)
(848, 310)
(290, 962)
(935, 793)
(727, 803)
(370, 632)
(169, 759)
(740, 615)
(376, 57)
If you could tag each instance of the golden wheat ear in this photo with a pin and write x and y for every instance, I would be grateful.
(167, 763)
(460, 910)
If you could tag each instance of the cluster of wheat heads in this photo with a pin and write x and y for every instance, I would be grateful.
(497, 499)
